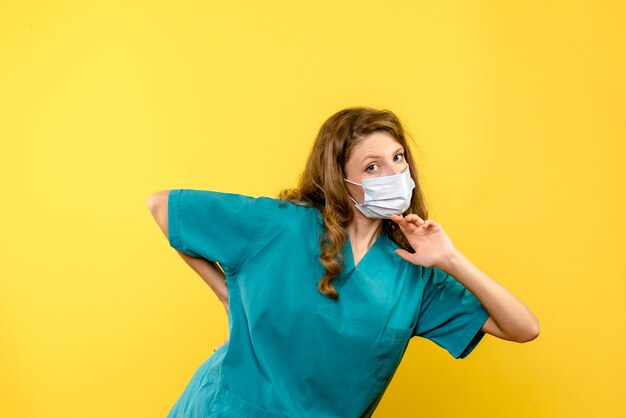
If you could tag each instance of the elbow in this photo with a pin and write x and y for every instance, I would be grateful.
(155, 200)
(150, 203)
(157, 204)
(530, 334)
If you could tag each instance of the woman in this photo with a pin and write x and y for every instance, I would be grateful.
(325, 285)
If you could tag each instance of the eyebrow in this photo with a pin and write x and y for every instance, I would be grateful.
(378, 156)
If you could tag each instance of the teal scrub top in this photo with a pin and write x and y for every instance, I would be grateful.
(292, 351)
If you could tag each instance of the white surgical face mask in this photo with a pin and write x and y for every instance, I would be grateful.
(386, 196)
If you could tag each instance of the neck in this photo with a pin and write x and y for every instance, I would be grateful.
(363, 231)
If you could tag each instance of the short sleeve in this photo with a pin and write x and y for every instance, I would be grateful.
(450, 315)
(216, 226)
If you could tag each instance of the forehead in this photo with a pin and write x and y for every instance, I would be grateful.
(377, 143)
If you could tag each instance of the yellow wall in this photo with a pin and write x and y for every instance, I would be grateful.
(518, 112)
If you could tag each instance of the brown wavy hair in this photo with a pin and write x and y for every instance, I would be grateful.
(321, 183)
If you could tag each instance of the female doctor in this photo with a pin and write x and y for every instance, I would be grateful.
(325, 285)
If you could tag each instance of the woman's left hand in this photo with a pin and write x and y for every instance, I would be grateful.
(427, 238)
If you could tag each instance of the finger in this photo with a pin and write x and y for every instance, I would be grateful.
(414, 218)
(406, 226)
(429, 224)
(404, 254)
(397, 218)
(402, 222)
(418, 223)
(415, 223)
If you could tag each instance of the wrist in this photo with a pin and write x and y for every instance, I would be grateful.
(450, 264)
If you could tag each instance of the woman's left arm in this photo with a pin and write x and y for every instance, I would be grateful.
(510, 319)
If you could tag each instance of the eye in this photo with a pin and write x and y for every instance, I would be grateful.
(371, 168)
(398, 157)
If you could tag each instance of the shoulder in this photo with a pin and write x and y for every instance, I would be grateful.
(213, 205)
(286, 210)
(276, 214)
(435, 275)
(286, 224)
(237, 200)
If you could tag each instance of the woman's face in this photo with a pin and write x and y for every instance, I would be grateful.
(378, 154)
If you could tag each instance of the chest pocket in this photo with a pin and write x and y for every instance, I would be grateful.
(391, 348)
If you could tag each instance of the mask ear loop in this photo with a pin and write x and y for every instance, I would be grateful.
(356, 184)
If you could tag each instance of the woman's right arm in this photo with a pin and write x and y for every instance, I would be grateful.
(208, 270)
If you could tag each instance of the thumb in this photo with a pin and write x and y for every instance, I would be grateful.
(404, 254)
